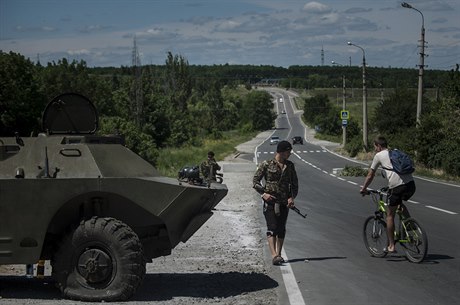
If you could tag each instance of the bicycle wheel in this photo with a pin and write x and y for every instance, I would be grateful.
(375, 236)
(414, 241)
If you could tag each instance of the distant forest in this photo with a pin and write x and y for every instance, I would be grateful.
(300, 77)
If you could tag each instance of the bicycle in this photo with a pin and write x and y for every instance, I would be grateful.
(408, 233)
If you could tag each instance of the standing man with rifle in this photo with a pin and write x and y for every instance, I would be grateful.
(281, 187)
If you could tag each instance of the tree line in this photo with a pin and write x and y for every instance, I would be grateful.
(434, 143)
(178, 104)
(159, 107)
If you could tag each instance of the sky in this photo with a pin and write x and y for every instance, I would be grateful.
(250, 32)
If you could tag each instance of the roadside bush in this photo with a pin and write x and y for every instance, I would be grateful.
(354, 145)
(353, 171)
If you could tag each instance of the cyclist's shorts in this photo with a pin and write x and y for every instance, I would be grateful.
(400, 193)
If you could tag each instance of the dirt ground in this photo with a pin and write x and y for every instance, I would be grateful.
(225, 262)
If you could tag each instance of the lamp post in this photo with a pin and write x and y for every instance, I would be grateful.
(364, 96)
(422, 62)
(344, 105)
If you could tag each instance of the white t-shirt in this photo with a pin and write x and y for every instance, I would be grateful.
(383, 158)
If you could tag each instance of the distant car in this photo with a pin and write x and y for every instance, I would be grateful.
(283, 112)
(297, 140)
(274, 140)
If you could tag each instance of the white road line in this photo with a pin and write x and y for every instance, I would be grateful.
(412, 201)
(292, 289)
(441, 210)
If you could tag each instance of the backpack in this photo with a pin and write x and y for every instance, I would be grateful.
(401, 162)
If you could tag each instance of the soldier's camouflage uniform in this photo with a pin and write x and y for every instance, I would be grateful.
(278, 183)
(208, 169)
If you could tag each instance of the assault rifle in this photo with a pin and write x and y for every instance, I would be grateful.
(295, 209)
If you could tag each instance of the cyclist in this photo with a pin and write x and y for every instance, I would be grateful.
(401, 187)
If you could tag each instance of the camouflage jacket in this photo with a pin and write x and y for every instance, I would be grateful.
(278, 183)
(208, 169)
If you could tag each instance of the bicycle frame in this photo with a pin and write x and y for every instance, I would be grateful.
(380, 198)
(408, 232)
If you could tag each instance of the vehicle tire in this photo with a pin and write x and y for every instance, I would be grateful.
(101, 260)
(416, 245)
(375, 236)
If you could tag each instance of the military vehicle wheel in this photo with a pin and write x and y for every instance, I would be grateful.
(102, 260)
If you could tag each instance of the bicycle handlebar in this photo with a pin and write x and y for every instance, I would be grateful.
(383, 190)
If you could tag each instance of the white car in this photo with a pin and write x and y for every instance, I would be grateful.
(274, 140)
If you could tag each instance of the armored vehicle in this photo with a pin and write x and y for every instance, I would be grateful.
(92, 207)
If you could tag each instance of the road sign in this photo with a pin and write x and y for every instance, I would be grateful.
(344, 123)
(344, 115)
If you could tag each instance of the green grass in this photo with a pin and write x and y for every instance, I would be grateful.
(171, 160)
(435, 174)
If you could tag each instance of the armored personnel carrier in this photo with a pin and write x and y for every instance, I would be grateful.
(90, 205)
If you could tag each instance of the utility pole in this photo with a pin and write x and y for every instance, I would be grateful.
(344, 107)
(421, 64)
(364, 97)
(322, 56)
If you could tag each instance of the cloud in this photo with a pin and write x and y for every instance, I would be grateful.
(157, 34)
(331, 18)
(94, 28)
(78, 52)
(316, 8)
(24, 29)
(227, 25)
(446, 29)
(439, 20)
(434, 6)
(360, 24)
(357, 10)
(199, 20)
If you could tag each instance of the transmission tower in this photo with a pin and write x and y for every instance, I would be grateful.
(322, 56)
(137, 70)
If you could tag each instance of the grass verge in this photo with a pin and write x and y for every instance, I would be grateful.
(171, 160)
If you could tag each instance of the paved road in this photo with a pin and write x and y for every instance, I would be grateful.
(328, 261)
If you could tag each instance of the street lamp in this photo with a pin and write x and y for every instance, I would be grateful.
(364, 96)
(344, 105)
(422, 62)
